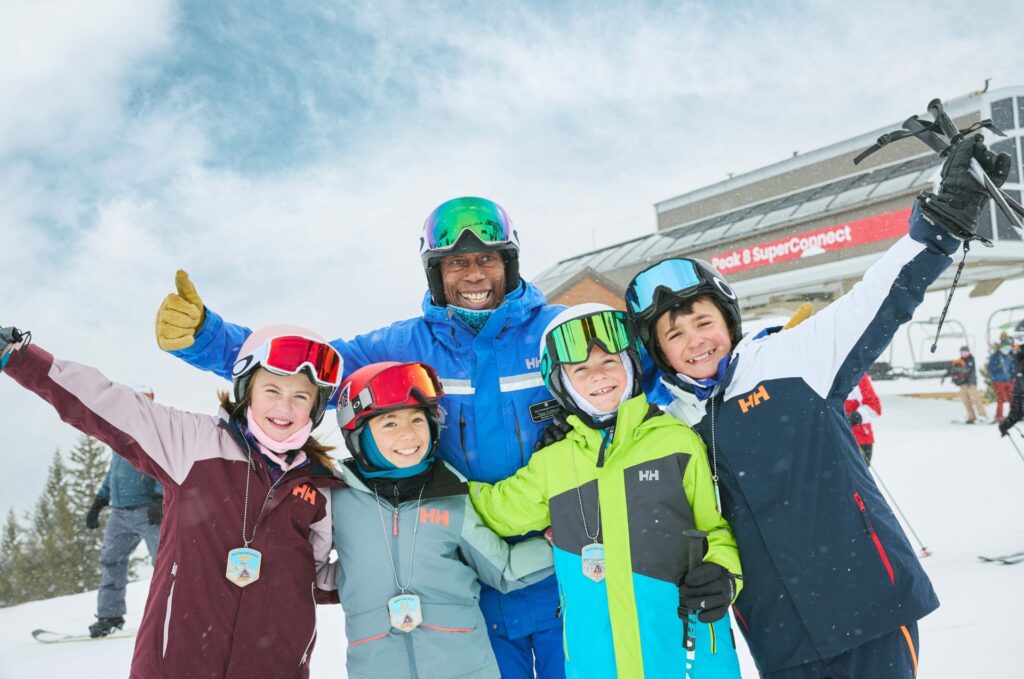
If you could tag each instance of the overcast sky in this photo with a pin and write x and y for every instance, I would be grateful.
(287, 157)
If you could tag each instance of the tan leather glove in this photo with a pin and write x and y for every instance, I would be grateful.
(180, 316)
(802, 313)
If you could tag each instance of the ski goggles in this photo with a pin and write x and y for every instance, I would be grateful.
(674, 275)
(288, 354)
(405, 384)
(571, 341)
(482, 217)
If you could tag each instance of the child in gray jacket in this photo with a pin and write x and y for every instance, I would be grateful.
(410, 545)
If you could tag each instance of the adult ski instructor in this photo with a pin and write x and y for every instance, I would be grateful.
(480, 329)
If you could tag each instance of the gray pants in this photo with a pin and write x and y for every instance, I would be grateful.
(126, 528)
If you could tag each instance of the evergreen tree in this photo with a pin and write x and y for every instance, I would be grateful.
(87, 465)
(10, 562)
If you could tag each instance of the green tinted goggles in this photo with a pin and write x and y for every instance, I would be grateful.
(571, 341)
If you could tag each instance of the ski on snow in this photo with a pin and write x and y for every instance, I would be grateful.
(48, 637)
(1005, 559)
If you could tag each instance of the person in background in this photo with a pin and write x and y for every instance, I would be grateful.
(136, 504)
(862, 407)
(1001, 372)
(965, 375)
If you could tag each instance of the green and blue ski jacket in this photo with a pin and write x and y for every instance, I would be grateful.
(653, 482)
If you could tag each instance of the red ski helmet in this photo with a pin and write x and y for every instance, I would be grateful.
(384, 387)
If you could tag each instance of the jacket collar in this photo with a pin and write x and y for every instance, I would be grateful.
(517, 308)
(635, 417)
(440, 479)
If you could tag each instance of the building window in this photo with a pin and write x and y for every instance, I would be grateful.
(1020, 111)
(1002, 114)
(1003, 229)
(1009, 146)
(985, 223)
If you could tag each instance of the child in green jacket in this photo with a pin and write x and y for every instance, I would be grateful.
(618, 492)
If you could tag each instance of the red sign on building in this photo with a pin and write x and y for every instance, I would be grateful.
(817, 242)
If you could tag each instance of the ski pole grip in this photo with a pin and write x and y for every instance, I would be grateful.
(944, 121)
(694, 547)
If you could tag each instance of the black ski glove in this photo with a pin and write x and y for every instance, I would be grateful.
(1005, 427)
(855, 418)
(709, 589)
(961, 198)
(92, 519)
(557, 430)
(155, 510)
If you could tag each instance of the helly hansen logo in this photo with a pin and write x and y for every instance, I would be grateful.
(754, 399)
(305, 492)
(532, 363)
(648, 474)
(433, 516)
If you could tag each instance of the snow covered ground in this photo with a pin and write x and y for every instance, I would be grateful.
(962, 487)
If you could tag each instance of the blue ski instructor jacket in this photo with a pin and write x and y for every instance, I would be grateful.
(494, 373)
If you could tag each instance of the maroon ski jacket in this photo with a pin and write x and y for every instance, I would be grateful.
(196, 622)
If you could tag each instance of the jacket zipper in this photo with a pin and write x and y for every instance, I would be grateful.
(519, 439)
(462, 440)
(305, 654)
(874, 537)
(167, 613)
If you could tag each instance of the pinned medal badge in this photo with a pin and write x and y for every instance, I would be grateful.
(405, 612)
(244, 566)
(593, 561)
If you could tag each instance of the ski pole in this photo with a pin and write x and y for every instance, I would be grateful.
(1015, 446)
(924, 550)
(695, 556)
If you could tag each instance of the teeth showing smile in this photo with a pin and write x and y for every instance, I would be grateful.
(702, 357)
(602, 392)
(406, 452)
(475, 297)
(280, 423)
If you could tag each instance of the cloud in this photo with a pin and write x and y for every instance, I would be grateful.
(287, 157)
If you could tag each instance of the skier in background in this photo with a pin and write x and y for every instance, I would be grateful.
(1016, 410)
(136, 504)
(862, 407)
(964, 375)
(1000, 372)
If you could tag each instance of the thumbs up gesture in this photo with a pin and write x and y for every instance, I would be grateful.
(180, 316)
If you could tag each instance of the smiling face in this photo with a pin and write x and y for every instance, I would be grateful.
(474, 280)
(281, 404)
(601, 379)
(403, 436)
(693, 343)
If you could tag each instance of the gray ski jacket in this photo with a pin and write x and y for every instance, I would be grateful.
(453, 548)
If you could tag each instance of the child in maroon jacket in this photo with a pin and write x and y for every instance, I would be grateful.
(247, 524)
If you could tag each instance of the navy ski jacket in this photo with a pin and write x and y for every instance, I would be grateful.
(826, 565)
(494, 373)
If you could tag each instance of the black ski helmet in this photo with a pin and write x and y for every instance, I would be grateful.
(670, 283)
(463, 225)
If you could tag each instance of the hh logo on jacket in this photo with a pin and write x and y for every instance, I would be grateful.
(754, 398)
(433, 516)
(305, 492)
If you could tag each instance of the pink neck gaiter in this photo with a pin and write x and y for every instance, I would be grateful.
(273, 449)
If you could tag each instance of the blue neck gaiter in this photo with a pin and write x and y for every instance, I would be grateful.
(474, 319)
(705, 387)
(382, 468)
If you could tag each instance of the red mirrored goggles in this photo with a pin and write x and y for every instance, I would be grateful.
(402, 385)
(289, 354)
